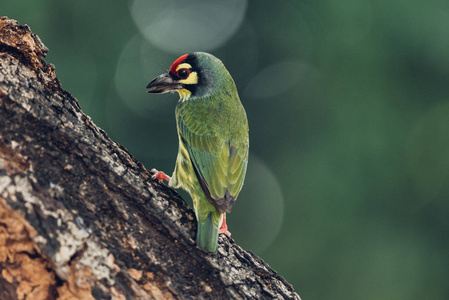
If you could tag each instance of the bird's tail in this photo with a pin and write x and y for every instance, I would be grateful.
(207, 236)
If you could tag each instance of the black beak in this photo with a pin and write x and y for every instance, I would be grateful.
(163, 84)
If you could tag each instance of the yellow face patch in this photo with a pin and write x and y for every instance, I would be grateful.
(193, 76)
(192, 79)
(184, 94)
(183, 66)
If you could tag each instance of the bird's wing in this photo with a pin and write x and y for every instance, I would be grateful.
(220, 164)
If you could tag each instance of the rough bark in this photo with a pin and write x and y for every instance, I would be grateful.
(80, 217)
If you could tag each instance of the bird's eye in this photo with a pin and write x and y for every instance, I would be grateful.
(183, 73)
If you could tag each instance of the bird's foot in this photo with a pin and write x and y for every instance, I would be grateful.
(224, 228)
(159, 175)
(224, 231)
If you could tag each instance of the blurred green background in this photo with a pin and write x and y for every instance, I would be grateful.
(348, 103)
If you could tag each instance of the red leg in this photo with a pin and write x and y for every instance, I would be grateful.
(224, 227)
(159, 175)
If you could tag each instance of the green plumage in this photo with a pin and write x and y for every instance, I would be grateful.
(213, 148)
(207, 236)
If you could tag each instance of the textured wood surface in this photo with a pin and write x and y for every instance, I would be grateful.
(80, 217)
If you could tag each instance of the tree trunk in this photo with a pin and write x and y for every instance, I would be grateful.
(80, 217)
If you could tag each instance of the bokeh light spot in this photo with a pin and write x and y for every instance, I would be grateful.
(427, 150)
(134, 72)
(277, 79)
(187, 26)
(257, 215)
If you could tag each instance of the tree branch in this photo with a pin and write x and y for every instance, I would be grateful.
(80, 216)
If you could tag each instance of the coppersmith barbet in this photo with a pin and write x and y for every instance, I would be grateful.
(213, 140)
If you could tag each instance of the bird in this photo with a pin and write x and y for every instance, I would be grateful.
(213, 138)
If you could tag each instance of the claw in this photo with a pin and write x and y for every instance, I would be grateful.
(159, 175)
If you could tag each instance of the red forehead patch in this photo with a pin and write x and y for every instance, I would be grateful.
(177, 62)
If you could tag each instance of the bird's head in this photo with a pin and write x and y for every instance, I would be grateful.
(193, 75)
